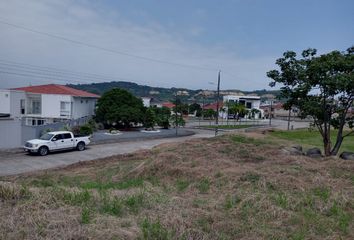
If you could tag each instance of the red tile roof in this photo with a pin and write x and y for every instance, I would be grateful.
(213, 106)
(168, 104)
(57, 89)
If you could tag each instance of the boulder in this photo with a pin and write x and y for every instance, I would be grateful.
(314, 153)
(292, 151)
(347, 156)
(298, 147)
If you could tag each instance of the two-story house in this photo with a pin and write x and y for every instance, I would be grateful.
(44, 104)
(250, 102)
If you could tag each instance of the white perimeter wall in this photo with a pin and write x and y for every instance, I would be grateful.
(83, 107)
(51, 105)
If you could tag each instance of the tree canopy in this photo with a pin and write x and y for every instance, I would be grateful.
(322, 87)
(119, 107)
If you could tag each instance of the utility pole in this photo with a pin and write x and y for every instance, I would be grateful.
(270, 112)
(176, 117)
(217, 106)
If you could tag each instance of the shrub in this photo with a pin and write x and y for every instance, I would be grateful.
(86, 130)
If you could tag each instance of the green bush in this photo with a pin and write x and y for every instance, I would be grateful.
(86, 130)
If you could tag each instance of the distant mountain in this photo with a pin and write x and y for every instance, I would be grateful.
(167, 94)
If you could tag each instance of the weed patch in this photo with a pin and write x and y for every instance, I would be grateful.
(204, 185)
(154, 230)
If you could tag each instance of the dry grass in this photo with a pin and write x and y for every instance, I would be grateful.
(230, 187)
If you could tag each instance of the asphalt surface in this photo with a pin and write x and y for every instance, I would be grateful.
(100, 137)
(16, 163)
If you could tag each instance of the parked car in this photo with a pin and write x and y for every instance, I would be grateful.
(56, 141)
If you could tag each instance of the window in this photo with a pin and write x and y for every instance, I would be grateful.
(242, 102)
(249, 105)
(58, 137)
(65, 108)
(22, 106)
(66, 135)
(36, 107)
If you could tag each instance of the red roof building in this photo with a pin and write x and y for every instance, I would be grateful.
(168, 105)
(56, 89)
(213, 106)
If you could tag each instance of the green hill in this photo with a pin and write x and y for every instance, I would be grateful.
(165, 94)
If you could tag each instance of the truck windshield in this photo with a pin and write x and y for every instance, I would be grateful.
(46, 136)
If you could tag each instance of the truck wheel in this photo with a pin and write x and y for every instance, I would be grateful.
(43, 151)
(80, 146)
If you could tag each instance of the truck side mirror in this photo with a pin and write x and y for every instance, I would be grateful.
(54, 139)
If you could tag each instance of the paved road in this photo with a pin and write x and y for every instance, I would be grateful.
(15, 163)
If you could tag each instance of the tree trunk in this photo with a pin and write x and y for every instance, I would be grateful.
(327, 145)
(289, 119)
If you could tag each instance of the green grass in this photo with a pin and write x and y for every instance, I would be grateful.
(313, 138)
(229, 126)
(182, 185)
(203, 185)
(154, 230)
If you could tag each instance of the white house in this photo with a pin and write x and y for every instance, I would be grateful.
(146, 101)
(44, 104)
(250, 102)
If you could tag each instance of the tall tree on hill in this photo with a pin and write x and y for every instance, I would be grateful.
(323, 89)
(119, 107)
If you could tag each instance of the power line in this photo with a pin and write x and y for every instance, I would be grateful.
(37, 76)
(58, 74)
(56, 70)
(102, 48)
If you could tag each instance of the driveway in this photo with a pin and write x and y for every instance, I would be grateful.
(15, 163)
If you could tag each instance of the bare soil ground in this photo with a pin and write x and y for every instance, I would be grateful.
(229, 187)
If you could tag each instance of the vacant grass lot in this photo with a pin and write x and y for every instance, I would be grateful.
(313, 138)
(229, 187)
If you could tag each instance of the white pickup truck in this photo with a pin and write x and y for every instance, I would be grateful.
(56, 141)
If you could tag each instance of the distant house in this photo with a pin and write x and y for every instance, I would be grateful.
(168, 105)
(250, 102)
(44, 104)
(146, 101)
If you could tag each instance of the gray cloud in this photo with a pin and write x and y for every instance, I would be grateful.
(105, 27)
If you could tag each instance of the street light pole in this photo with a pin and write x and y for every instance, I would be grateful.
(217, 107)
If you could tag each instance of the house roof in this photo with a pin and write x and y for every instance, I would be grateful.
(57, 89)
(168, 104)
(213, 106)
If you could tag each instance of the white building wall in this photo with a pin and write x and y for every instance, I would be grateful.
(83, 107)
(5, 101)
(51, 105)
(146, 101)
(15, 103)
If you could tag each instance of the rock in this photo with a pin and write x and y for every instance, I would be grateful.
(314, 153)
(298, 147)
(292, 151)
(347, 156)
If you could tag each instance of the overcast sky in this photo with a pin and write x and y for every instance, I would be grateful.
(243, 38)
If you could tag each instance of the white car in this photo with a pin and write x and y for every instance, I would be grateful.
(56, 141)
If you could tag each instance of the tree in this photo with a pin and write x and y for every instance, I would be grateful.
(194, 108)
(209, 113)
(149, 118)
(237, 110)
(163, 115)
(321, 87)
(119, 107)
(290, 73)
